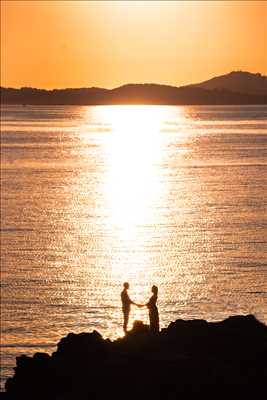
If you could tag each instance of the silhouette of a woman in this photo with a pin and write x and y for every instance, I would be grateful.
(153, 310)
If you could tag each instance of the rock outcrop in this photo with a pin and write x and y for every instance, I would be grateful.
(188, 359)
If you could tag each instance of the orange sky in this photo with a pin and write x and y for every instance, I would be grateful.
(55, 44)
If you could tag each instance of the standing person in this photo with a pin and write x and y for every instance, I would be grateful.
(126, 305)
(153, 310)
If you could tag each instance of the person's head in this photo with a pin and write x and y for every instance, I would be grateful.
(126, 285)
(154, 289)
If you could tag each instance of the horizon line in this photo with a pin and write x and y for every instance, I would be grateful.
(131, 83)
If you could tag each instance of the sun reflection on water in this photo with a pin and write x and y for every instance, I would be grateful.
(134, 155)
(132, 188)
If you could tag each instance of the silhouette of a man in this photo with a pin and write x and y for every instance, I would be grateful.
(126, 305)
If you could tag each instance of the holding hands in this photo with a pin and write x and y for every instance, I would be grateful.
(151, 305)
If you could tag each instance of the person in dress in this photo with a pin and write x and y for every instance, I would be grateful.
(153, 310)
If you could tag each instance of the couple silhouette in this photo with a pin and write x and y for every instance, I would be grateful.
(151, 305)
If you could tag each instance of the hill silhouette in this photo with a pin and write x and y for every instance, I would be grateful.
(238, 81)
(233, 88)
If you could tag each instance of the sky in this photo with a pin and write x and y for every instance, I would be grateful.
(57, 44)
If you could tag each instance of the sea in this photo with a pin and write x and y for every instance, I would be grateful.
(92, 197)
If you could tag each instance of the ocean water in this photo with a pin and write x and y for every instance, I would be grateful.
(95, 196)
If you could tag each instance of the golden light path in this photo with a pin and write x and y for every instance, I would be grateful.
(132, 191)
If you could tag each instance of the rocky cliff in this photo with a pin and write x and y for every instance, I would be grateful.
(198, 359)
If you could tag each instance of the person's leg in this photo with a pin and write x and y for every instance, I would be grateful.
(125, 320)
(154, 322)
(157, 321)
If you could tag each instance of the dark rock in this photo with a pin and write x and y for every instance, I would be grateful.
(188, 358)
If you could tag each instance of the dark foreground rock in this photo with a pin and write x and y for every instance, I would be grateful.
(226, 359)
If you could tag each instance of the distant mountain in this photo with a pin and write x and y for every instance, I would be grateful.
(57, 96)
(171, 95)
(238, 81)
(233, 88)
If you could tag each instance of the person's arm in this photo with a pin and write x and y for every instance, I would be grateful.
(130, 301)
(144, 305)
(135, 304)
(148, 303)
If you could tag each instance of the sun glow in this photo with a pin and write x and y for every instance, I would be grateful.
(110, 43)
(134, 155)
